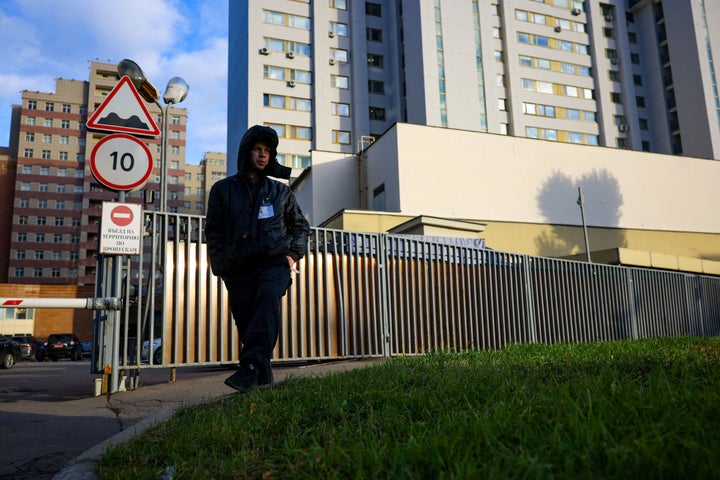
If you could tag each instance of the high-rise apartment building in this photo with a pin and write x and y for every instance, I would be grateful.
(50, 234)
(630, 74)
(199, 179)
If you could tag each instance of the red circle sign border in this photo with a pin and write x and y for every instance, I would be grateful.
(110, 184)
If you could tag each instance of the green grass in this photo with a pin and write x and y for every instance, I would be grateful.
(643, 409)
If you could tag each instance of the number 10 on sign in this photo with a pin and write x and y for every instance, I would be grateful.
(121, 162)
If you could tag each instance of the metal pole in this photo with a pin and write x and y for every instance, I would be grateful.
(163, 157)
(581, 202)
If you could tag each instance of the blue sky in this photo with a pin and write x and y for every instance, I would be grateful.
(41, 40)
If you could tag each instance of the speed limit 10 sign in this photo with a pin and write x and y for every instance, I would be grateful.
(121, 162)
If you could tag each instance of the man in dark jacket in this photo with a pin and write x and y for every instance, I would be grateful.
(255, 234)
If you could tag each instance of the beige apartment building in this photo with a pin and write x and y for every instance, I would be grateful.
(625, 74)
(49, 235)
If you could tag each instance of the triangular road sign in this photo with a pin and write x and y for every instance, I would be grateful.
(123, 111)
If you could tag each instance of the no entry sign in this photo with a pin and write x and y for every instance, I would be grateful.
(121, 228)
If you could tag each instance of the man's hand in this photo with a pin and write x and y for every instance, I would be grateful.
(291, 263)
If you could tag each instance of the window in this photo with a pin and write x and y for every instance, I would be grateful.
(375, 60)
(42, 203)
(643, 123)
(47, 122)
(377, 113)
(341, 136)
(66, 108)
(29, 137)
(339, 4)
(22, 220)
(373, 34)
(60, 204)
(339, 29)
(616, 97)
(373, 9)
(25, 186)
(58, 238)
(22, 237)
(175, 120)
(39, 237)
(46, 154)
(376, 86)
(49, 107)
(62, 155)
(60, 188)
(65, 124)
(32, 105)
(64, 140)
(340, 81)
(27, 169)
(640, 102)
(37, 272)
(339, 55)
(46, 138)
(340, 109)
(19, 272)
(637, 80)
(614, 75)
(635, 58)
(30, 121)
(59, 221)
(20, 254)
(28, 153)
(44, 188)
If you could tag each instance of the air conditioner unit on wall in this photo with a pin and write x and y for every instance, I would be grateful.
(576, 11)
(608, 17)
(264, 51)
(291, 83)
(331, 34)
(290, 54)
(558, 29)
(622, 127)
(614, 61)
(332, 61)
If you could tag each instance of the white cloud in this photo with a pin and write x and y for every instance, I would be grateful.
(41, 40)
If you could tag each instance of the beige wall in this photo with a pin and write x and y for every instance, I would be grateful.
(527, 190)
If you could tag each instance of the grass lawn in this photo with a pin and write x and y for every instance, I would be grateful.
(631, 409)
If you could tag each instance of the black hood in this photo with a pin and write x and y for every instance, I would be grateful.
(267, 136)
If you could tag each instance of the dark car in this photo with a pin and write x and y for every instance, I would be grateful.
(9, 352)
(28, 346)
(63, 345)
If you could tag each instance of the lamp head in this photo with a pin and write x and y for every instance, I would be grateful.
(144, 87)
(176, 90)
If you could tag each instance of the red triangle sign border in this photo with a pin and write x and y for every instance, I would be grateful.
(93, 122)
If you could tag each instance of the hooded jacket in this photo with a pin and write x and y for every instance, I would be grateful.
(250, 223)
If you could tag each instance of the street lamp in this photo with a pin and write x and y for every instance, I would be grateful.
(175, 92)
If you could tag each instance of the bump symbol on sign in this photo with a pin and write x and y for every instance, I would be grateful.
(121, 216)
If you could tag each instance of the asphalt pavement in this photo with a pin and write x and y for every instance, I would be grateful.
(44, 435)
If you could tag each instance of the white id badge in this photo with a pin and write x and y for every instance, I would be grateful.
(266, 211)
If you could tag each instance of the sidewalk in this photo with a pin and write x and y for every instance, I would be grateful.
(140, 409)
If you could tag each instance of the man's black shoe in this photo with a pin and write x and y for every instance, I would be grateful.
(244, 379)
(265, 375)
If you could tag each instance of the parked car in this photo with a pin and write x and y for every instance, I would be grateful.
(40, 353)
(28, 346)
(156, 349)
(9, 352)
(63, 345)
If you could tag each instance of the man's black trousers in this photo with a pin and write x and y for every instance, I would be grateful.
(255, 294)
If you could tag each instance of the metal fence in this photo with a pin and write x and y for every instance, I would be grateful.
(377, 295)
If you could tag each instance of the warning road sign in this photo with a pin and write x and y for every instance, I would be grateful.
(121, 228)
(123, 111)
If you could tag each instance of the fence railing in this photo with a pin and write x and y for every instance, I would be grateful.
(373, 295)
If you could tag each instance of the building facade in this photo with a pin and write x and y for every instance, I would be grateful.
(332, 76)
(54, 203)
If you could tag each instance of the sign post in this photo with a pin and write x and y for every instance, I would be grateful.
(122, 163)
